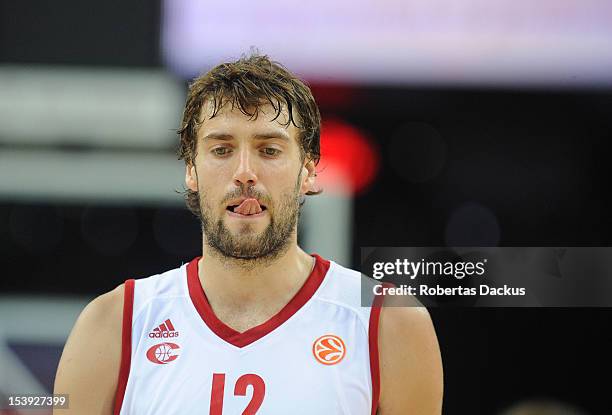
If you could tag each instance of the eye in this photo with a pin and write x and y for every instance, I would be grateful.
(269, 151)
(221, 151)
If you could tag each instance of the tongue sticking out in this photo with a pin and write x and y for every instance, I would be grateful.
(248, 207)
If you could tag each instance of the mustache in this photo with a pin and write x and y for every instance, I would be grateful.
(250, 192)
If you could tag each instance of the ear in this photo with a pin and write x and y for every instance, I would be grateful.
(191, 177)
(308, 177)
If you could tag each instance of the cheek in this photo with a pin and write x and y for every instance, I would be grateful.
(211, 166)
(213, 175)
(287, 189)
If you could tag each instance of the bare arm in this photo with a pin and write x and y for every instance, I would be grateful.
(410, 363)
(89, 367)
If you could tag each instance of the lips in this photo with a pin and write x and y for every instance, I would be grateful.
(246, 206)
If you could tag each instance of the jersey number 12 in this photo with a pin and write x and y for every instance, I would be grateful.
(218, 388)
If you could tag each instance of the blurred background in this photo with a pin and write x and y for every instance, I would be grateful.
(467, 122)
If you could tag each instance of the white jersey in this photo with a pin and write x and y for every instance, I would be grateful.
(318, 355)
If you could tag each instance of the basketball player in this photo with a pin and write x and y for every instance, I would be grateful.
(255, 325)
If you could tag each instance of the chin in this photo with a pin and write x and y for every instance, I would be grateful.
(244, 229)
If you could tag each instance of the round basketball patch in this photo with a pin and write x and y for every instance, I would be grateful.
(162, 353)
(329, 349)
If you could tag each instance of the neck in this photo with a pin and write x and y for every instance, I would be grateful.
(241, 286)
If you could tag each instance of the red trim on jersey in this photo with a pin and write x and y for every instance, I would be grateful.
(247, 337)
(377, 304)
(126, 344)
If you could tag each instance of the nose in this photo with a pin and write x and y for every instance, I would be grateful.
(245, 172)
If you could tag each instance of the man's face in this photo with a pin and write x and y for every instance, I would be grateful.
(249, 175)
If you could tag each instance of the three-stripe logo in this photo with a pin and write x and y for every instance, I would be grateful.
(164, 330)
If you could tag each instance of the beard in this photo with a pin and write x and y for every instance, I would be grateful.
(247, 248)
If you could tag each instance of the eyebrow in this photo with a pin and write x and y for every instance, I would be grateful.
(217, 136)
(261, 136)
(273, 134)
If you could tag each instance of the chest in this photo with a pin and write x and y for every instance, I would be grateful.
(242, 318)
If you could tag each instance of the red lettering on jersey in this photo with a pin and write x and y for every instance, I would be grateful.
(216, 394)
(218, 387)
(259, 390)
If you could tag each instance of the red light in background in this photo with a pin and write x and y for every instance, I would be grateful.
(335, 96)
(349, 159)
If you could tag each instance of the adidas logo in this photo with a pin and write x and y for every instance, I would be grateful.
(164, 330)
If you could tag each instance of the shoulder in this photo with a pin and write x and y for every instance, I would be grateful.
(103, 315)
(105, 307)
(101, 319)
(410, 361)
(342, 287)
(91, 357)
(170, 283)
(339, 282)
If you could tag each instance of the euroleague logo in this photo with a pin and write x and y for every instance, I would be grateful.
(328, 349)
(163, 353)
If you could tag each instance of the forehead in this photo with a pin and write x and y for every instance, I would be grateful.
(230, 120)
